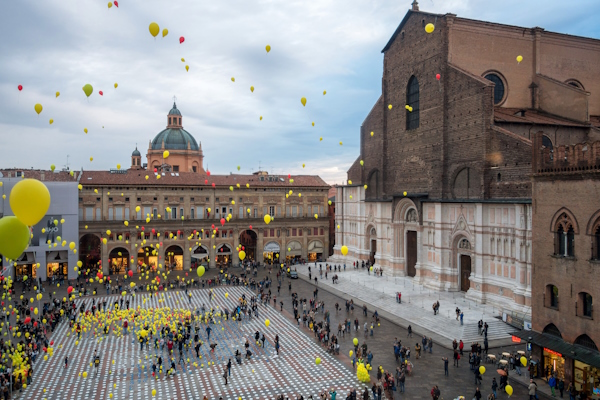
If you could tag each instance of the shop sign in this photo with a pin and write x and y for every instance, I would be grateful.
(547, 350)
(516, 339)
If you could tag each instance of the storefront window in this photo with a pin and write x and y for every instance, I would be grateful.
(586, 377)
(57, 269)
(554, 364)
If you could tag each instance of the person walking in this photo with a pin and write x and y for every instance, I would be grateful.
(445, 359)
(456, 358)
(561, 387)
(409, 331)
(225, 374)
(494, 387)
(532, 388)
(552, 384)
(430, 344)
(477, 394)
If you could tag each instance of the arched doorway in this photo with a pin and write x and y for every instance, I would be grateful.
(200, 256)
(315, 250)
(271, 252)
(90, 252)
(411, 218)
(147, 258)
(248, 239)
(223, 255)
(118, 260)
(464, 264)
(372, 245)
(174, 258)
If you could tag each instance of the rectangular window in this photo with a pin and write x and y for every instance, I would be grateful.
(147, 212)
(89, 213)
(110, 214)
(256, 213)
(119, 213)
(272, 233)
(294, 211)
(126, 213)
(174, 212)
(224, 234)
(266, 233)
(321, 211)
(288, 211)
(194, 168)
(242, 212)
(175, 168)
(155, 213)
(315, 231)
(192, 213)
(166, 214)
(300, 213)
(224, 210)
(293, 231)
(272, 211)
(80, 214)
(321, 231)
(180, 212)
(231, 211)
(98, 214)
(200, 212)
(300, 232)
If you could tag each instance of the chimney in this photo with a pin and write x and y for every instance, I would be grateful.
(415, 5)
(42, 175)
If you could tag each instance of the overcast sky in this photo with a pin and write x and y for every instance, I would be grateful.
(333, 45)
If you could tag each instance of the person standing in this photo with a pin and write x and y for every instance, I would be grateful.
(445, 359)
(552, 384)
(561, 386)
(225, 374)
(430, 344)
(532, 388)
(461, 346)
(494, 387)
(456, 358)
(229, 367)
(461, 320)
(477, 394)
(409, 331)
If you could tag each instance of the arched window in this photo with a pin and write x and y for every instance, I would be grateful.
(551, 329)
(596, 242)
(586, 304)
(551, 300)
(498, 88)
(585, 341)
(546, 142)
(564, 239)
(575, 83)
(412, 100)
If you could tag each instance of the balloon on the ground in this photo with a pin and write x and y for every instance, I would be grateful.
(267, 323)
(318, 360)
(29, 201)
(14, 237)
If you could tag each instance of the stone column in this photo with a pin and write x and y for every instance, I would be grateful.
(260, 245)
(133, 251)
(104, 257)
(187, 255)
(235, 259)
(304, 243)
(212, 252)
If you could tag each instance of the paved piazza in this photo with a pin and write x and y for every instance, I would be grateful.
(265, 376)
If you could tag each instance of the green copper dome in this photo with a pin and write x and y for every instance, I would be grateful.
(175, 139)
(174, 110)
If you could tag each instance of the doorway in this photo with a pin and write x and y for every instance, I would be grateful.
(248, 239)
(373, 251)
(465, 272)
(411, 253)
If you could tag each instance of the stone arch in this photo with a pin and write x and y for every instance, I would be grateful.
(586, 341)
(118, 263)
(466, 183)
(200, 251)
(174, 257)
(593, 224)
(402, 208)
(223, 249)
(90, 250)
(566, 215)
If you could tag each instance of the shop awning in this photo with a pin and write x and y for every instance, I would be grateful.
(573, 351)
(224, 250)
(57, 256)
(26, 258)
(272, 247)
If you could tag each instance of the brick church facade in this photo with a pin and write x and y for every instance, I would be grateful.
(441, 190)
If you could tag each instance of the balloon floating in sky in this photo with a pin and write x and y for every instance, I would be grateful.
(85, 130)
(91, 159)
(165, 32)
(232, 79)
(267, 219)
(14, 237)
(344, 251)
(519, 59)
(303, 101)
(20, 87)
(87, 89)
(438, 76)
(109, 4)
(268, 48)
(154, 29)
(29, 201)
(101, 93)
(372, 133)
(341, 143)
(52, 167)
(429, 27)
(261, 117)
(324, 92)
(181, 39)
(252, 89)
(51, 121)
(116, 85)
(182, 59)
(390, 106)
(166, 154)
(57, 94)
(187, 68)
(116, 3)
(313, 124)
(38, 108)
(362, 162)
(321, 139)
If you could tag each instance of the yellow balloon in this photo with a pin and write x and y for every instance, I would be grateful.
(344, 250)
(268, 48)
(324, 92)
(523, 361)
(482, 370)
(390, 106)
(137, 209)
(166, 154)
(29, 201)
(57, 94)
(109, 4)
(519, 59)
(182, 59)
(365, 187)
(267, 219)
(318, 360)
(72, 245)
(232, 79)
(429, 27)
(87, 89)
(153, 392)
(372, 133)
(252, 89)
(38, 108)
(85, 130)
(362, 162)
(355, 341)
(51, 121)
(14, 237)
(303, 101)
(267, 323)
(509, 390)
(261, 117)
(116, 85)
(242, 255)
(164, 33)
(187, 68)
(154, 29)
(200, 271)
(316, 216)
